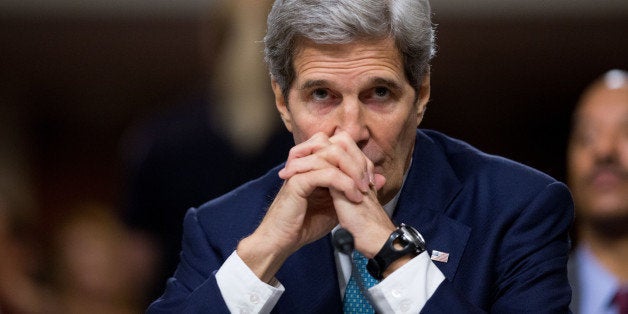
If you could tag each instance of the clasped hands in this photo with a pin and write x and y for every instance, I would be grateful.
(328, 181)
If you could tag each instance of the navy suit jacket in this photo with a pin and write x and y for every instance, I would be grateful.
(504, 225)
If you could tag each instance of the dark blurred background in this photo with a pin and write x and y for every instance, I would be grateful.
(75, 79)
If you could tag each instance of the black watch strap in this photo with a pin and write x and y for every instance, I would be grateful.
(411, 242)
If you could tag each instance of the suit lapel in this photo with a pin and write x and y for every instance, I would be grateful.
(427, 194)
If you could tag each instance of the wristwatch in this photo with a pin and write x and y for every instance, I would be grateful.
(410, 239)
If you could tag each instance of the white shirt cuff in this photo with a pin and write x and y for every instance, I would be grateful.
(243, 291)
(408, 288)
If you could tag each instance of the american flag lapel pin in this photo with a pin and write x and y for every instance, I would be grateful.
(439, 256)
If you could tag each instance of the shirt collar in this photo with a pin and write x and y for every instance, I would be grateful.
(597, 285)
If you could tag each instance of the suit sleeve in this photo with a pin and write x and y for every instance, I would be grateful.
(193, 288)
(530, 262)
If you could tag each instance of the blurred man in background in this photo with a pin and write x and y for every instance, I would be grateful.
(210, 143)
(20, 263)
(598, 178)
(97, 265)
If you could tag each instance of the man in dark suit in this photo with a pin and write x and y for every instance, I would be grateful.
(441, 226)
(598, 176)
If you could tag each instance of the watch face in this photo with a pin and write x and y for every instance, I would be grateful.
(413, 236)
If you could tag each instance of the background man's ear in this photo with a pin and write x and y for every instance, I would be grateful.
(282, 105)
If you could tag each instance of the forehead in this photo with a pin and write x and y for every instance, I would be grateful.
(605, 104)
(378, 57)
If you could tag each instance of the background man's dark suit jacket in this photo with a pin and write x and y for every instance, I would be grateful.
(504, 225)
(574, 281)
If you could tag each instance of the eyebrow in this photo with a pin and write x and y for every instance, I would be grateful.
(313, 83)
(393, 85)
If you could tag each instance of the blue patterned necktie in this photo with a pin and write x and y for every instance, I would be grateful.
(354, 301)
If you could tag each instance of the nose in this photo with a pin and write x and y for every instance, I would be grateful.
(352, 120)
(605, 147)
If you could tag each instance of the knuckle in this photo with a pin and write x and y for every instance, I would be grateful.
(294, 151)
(335, 150)
(319, 137)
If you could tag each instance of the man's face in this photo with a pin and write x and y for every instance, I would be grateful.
(598, 156)
(359, 88)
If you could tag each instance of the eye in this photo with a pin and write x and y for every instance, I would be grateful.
(583, 136)
(379, 96)
(381, 92)
(320, 94)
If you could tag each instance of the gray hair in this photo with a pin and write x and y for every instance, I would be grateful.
(343, 21)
